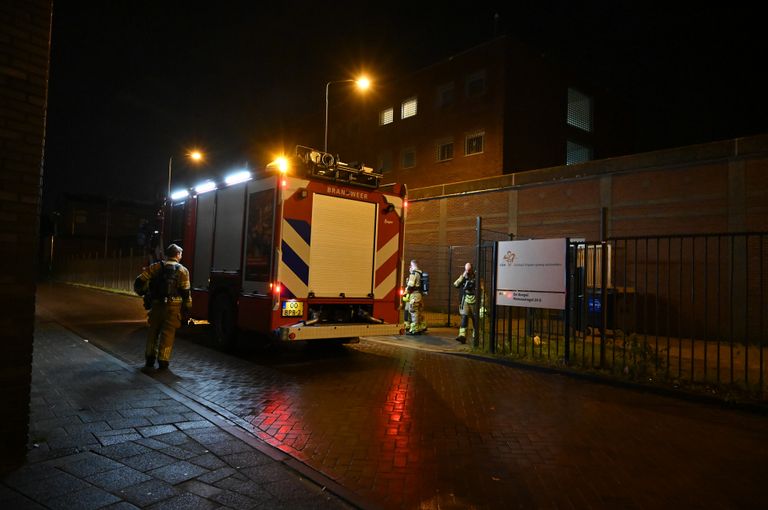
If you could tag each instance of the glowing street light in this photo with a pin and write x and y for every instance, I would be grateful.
(194, 155)
(362, 83)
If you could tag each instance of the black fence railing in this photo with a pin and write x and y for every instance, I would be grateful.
(688, 310)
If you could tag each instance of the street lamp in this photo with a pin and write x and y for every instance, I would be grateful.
(362, 83)
(194, 155)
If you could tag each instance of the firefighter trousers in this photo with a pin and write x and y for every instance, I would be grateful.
(468, 311)
(164, 320)
(416, 309)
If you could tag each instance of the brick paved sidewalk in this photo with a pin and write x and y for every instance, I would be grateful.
(104, 435)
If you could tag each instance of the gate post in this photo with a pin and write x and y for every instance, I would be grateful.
(479, 258)
(568, 297)
(478, 241)
(603, 282)
(450, 286)
(492, 299)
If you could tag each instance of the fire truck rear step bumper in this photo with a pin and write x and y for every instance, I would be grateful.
(293, 333)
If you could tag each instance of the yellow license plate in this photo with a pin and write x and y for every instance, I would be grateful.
(292, 309)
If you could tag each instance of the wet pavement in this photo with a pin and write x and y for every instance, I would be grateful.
(412, 422)
(105, 435)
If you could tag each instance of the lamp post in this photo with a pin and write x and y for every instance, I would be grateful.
(170, 165)
(362, 83)
(195, 155)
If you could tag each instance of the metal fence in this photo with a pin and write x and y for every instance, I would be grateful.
(689, 310)
(116, 271)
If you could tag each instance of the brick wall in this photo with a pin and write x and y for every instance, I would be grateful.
(24, 54)
(709, 188)
(720, 187)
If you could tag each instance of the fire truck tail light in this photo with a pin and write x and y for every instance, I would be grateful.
(292, 336)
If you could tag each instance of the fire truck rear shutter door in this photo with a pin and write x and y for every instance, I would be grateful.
(206, 204)
(342, 247)
(228, 239)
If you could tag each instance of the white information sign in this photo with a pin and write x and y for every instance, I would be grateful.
(532, 273)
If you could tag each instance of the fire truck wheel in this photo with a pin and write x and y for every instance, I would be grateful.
(224, 329)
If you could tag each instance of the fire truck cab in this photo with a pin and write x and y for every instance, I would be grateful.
(310, 248)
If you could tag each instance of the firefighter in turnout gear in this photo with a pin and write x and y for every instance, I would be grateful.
(415, 304)
(406, 311)
(165, 287)
(466, 283)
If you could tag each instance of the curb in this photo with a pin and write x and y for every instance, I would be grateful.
(239, 429)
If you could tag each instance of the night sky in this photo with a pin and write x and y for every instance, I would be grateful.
(135, 82)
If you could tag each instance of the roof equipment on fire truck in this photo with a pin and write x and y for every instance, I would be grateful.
(324, 165)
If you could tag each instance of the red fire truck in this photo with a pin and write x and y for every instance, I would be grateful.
(309, 248)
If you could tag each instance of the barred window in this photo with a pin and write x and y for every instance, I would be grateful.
(474, 143)
(579, 110)
(408, 108)
(386, 116)
(577, 153)
(445, 150)
(408, 158)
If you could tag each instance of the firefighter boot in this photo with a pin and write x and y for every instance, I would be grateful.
(162, 365)
(150, 362)
(462, 338)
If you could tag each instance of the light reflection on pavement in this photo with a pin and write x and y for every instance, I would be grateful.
(415, 428)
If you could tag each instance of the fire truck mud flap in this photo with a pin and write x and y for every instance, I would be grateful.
(325, 331)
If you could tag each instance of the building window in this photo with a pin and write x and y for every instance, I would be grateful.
(474, 143)
(579, 110)
(445, 150)
(476, 84)
(385, 162)
(445, 95)
(408, 108)
(386, 116)
(408, 159)
(577, 153)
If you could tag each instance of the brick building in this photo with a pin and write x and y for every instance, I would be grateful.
(495, 109)
(25, 29)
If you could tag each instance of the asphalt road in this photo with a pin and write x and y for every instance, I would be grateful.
(411, 428)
